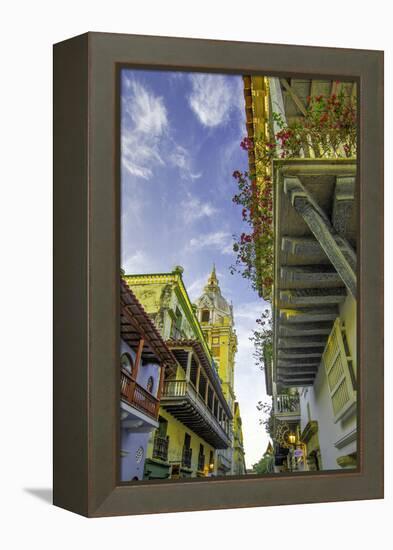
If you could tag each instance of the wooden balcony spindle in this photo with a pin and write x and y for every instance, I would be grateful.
(198, 378)
(206, 390)
(131, 391)
(138, 358)
(161, 383)
(189, 361)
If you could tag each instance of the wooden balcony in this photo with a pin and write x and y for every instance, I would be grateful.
(160, 447)
(223, 463)
(287, 407)
(182, 400)
(136, 396)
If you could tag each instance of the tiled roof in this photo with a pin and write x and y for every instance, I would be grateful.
(136, 324)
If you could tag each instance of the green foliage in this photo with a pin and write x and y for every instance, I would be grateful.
(263, 339)
(268, 420)
(265, 465)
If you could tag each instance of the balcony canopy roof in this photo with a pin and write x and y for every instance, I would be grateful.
(136, 324)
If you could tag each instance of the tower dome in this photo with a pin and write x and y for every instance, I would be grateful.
(212, 307)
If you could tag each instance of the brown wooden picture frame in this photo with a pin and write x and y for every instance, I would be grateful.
(87, 274)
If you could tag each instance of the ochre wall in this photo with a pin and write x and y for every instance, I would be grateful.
(176, 432)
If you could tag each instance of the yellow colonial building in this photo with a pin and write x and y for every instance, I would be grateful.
(194, 416)
(239, 464)
(215, 315)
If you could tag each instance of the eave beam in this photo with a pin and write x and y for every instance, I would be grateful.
(320, 226)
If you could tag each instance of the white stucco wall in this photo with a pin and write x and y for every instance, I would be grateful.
(320, 404)
(129, 445)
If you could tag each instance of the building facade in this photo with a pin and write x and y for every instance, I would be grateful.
(215, 315)
(238, 457)
(144, 358)
(311, 367)
(194, 418)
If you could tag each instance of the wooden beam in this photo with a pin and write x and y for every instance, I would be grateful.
(296, 383)
(298, 362)
(301, 342)
(343, 211)
(310, 371)
(309, 276)
(320, 226)
(206, 390)
(198, 377)
(162, 378)
(309, 315)
(138, 358)
(302, 246)
(305, 329)
(312, 297)
(300, 353)
(188, 369)
(295, 98)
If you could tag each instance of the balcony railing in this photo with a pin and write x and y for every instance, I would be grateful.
(160, 447)
(186, 457)
(201, 462)
(137, 396)
(223, 462)
(174, 389)
(287, 405)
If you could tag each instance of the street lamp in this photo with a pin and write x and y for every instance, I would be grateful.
(292, 441)
(292, 438)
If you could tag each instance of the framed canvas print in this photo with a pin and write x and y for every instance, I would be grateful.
(218, 261)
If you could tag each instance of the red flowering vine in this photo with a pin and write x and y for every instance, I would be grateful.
(328, 130)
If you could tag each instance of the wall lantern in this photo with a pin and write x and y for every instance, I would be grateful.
(292, 438)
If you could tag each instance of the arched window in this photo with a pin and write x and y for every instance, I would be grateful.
(150, 384)
(127, 363)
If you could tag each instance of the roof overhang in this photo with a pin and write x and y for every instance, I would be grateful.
(136, 324)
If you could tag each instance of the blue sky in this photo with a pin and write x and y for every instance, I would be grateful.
(180, 136)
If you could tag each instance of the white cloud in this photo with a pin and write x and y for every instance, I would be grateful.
(181, 158)
(137, 262)
(194, 209)
(251, 310)
(146, 141)
(144, 121)
(146, 110)
(196, 287)
(211, 98)
(220, 240)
